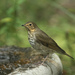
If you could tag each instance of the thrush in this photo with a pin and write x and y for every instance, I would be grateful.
(41, 42)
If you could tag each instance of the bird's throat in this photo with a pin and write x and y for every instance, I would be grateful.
(32, 30)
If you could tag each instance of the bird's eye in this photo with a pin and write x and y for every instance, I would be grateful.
(30, 24)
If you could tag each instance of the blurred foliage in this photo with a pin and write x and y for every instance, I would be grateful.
(55, 17)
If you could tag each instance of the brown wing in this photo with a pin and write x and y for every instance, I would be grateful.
(45, 40)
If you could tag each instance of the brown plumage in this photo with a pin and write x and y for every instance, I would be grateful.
(40, 41)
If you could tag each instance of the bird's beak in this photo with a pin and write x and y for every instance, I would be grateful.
(22, 25)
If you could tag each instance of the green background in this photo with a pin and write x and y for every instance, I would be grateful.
(55, 17)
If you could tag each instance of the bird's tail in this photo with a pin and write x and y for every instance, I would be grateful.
(69, 56)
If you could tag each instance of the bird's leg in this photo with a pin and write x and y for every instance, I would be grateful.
(42, 61)
(45, 58)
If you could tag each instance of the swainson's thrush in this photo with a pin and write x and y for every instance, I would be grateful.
(40, 41)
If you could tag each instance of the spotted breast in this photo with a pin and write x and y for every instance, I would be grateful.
(36, 45)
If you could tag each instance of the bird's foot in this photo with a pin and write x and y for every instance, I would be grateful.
(43, 62)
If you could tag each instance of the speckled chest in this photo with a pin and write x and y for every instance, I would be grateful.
(36, 45)
(31, 38)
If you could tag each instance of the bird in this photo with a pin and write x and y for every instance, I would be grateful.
(41, 42)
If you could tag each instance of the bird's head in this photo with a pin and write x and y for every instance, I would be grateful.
(30, 26)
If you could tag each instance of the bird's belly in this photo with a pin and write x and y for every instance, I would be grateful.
(39, 47)
(32, 41)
